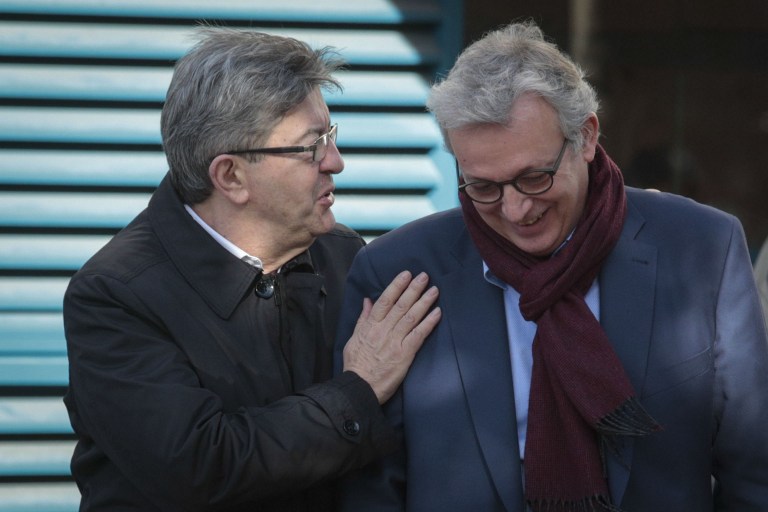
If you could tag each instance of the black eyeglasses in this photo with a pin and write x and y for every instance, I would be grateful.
(531, 182)
(319, 148)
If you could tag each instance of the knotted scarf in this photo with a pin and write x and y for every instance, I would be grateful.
(580, 396)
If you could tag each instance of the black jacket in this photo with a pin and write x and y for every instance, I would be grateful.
(183, 396)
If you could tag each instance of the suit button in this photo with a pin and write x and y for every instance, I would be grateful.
(351, 427)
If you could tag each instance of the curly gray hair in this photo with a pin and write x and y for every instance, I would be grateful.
(496, 70)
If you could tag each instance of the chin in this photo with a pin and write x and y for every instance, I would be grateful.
(326, 223)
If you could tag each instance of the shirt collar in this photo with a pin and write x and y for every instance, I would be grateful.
(235, 250)
(218, 277)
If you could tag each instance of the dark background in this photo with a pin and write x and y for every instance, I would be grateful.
(683, 88)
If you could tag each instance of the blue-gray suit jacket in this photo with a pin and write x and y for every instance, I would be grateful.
(679, 304)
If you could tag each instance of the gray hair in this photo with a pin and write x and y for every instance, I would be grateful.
(228, 92)
(493, 72)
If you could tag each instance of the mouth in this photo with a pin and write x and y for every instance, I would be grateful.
(531, 221)
(328, 196)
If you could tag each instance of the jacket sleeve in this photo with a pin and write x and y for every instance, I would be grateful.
(740, 444)
(137, 403)
(379, 486)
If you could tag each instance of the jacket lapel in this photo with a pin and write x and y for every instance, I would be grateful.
(627, 287)
(475, 312)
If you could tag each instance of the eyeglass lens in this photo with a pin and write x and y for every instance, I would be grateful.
(321, 144)
(535, 182)
(532, 182)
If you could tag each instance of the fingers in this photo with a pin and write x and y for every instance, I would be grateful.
(397, 298)
(408, 315)
(390, 296)
(367, 305)
(390, 332)
(420, 332)
(415, 338)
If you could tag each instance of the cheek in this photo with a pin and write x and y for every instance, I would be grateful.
(488, 210)
(493, 215)
(290, 187)
(570, 200)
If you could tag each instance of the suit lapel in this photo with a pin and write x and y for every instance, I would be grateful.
(475, 312)
(627, 287)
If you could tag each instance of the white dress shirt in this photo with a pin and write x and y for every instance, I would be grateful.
(238, 252)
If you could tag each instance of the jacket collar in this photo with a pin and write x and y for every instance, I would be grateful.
(216, 275)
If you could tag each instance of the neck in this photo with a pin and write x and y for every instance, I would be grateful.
(251, 236)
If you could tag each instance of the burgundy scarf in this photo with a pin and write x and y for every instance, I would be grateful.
(580, 395)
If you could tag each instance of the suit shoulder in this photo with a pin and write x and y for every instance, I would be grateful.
(425, 229)
(681, 229)
(436, 244)
(677, 212)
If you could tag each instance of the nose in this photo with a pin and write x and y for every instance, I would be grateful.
(332, 162)
(514, 204)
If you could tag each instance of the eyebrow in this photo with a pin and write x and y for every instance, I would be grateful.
(515, 175)
(527, 168)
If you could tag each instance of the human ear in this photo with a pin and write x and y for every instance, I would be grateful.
(591, 132)
(227, 173)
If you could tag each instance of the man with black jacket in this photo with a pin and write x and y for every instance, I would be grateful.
(200, 336)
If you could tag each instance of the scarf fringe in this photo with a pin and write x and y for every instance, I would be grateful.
(629, 419)
(591, 504)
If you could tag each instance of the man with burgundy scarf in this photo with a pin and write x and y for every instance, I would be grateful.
(602, 348)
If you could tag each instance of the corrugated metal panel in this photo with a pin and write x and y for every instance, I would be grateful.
(330, 11)
(33, 415)
(380, 47)
(145, 84)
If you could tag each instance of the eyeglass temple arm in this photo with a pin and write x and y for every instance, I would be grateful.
(459, 179)
(287, 149)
